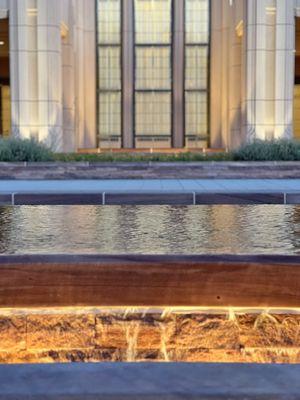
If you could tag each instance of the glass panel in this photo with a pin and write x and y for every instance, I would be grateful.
(153, 68)
(196, 114)
(109, 21)
(196, 67)
(153, 114)
(109, 114)
(110, 68)
(109, 62)
(153, 21)
(197, 21)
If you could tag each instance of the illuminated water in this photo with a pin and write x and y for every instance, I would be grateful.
(150, 230)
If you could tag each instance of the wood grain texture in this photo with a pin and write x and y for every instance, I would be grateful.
(218, 281)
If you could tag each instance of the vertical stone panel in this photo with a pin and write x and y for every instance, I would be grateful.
(23, 67)
(68, 76)
(85, 62)
(50, 74)
(284, 77)
(228, 43)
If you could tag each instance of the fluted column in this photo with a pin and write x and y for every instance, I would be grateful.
(49, 73)
(85, 73)
(270, 68)
(23, 68)
(284, 71)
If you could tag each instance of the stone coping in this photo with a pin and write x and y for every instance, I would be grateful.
(150, 170)
(133, 259)
(150, 198)
(118, 381)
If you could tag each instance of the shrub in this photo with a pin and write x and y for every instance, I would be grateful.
(15, 150)
(143, 157)
(274, 150)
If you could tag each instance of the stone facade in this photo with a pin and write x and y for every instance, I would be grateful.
(66, 335)
(53, 70)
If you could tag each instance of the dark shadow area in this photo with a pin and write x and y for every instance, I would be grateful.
(5, 106)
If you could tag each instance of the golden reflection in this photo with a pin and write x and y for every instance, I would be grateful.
(137, 334)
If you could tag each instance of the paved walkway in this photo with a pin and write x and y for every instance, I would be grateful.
(175, 191)
(121, 381)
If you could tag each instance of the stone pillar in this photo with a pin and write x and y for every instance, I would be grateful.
(68, 77)
(216, 62)
(23, 68)
(50, 74)
(85, 73)
(270, 68)
(284, 71)
(227, 71)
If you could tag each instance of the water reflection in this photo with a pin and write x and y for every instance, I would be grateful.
(150, 230)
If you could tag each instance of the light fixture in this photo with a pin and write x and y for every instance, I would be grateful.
(2, 43)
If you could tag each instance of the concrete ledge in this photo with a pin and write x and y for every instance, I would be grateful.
(164, 198)
(57, 199)
(150, 170)
(150, 382)
(179, 199)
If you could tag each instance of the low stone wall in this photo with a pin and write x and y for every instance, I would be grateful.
(150, 170)
(82, 335)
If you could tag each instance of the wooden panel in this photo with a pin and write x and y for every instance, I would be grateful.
(149, 281)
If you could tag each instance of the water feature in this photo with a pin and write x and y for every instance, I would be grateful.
(134, 334)
(150, 230)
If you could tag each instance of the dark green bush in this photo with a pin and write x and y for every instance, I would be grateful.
(143, 157)
(15, 150)
(274, 150)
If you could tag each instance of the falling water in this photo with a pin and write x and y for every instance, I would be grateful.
(163, 342)
(131, 332)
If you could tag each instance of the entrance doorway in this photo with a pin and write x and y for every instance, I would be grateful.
(5, 106)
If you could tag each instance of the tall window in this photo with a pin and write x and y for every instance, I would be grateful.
(196, 71)
(153, 72)
(109, 64)
(144, 30)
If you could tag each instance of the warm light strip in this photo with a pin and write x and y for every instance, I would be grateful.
(150, 310)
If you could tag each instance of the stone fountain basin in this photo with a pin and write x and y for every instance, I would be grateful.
(149, 308)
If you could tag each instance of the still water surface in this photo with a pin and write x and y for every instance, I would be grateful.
(150, 230)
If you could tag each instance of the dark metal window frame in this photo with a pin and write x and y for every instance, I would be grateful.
(207, 90)
(137, 45)
(98, 89)
(171, 91)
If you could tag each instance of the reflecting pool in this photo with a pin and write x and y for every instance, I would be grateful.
(150, 229)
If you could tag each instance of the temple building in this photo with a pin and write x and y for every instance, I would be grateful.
(149, 74)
